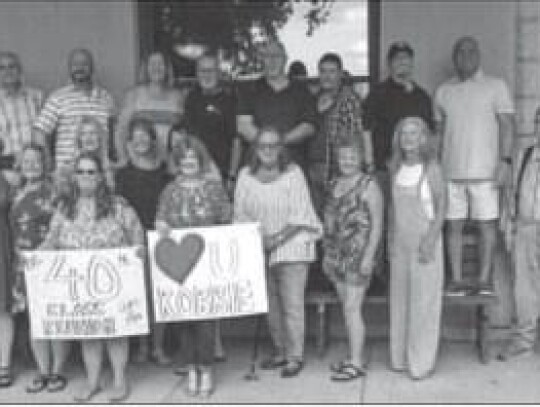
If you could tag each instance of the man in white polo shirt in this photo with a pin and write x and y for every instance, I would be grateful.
(65, 107)
(474, 117)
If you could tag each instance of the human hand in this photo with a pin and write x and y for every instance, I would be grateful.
(163, 229)
(427, 248)
(503, 175)
(324, 102)
(140, 252)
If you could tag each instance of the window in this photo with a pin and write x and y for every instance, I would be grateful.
(308, 28)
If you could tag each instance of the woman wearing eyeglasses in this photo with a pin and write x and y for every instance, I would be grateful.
(272, 190)
(91, 217)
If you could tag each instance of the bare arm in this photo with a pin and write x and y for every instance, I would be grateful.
(375, 204)
(506, 148)
(299, 133)
(246, 127)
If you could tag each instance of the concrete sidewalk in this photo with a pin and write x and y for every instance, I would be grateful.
(459, 378)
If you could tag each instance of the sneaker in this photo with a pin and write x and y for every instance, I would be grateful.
(456, 289)
(484, 289)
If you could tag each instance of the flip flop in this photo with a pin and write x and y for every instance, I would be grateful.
(38, 384)
(119, 394)
(87, 394)
(6, 377)
(347, 373)
(56, 383)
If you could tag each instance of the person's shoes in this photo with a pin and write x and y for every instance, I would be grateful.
(6, 377)
(348, 372)
(484, 289)
(514, 350)
(160, 359)
(56, 383)
(119, 393)
(206, 385)
(456, 289)
(86, 393)
(292, 368)
(273, 362)
(38, 384)
(192, 388)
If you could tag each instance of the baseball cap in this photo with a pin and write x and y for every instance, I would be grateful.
(397, 47)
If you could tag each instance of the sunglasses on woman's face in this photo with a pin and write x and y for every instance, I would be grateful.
(86, 172)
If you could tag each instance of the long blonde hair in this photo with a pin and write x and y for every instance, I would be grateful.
(427, 148)
(103, 137)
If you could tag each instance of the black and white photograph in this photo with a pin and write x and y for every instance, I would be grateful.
(275, 202)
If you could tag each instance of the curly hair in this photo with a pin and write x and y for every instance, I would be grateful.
(104, 196)
(284, 158)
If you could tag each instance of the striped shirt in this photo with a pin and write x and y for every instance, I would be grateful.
(285, 201)
(17, 115)
(63, 111)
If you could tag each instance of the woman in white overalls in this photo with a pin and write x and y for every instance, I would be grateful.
(416, 256)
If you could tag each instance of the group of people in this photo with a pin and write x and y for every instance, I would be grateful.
(332, 179)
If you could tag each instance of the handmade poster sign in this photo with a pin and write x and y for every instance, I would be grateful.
(77, 294)
(207, 273)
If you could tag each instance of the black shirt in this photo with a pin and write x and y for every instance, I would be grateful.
(284, 110)
(142, 189)
(387, 103)
(212, 118)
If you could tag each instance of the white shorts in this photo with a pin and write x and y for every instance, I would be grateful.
(476, 200)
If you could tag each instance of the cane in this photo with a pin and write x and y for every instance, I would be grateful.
(252, 374)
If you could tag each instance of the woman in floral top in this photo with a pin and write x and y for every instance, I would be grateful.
(91, 217)
(353, 226)
(195, 198)
(30, 216)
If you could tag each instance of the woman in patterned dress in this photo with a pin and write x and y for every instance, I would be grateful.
(91, 217)
(30, 216)
(353, 227)
(195, 198)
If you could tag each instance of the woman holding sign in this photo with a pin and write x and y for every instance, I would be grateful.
(91, 217)
(30, 216)
(195, 198)
(273, 191)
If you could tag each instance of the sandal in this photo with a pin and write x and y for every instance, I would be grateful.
(6, 377)
(38, 384)
(292, 368)
(119, 393)
(86, 394)
(56, 382)
(347, 373)
(273, 362)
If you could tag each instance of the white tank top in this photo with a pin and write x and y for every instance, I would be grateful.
(410, 175)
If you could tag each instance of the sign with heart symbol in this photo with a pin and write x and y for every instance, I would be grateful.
(177, 260)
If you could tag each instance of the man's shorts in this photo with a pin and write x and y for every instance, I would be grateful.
(473, 200)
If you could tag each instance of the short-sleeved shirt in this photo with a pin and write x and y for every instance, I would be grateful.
(17, 115)
(340, 124)
(469, 110)
(387, 103)
(283, 109)
(212, 118)
(63, 111)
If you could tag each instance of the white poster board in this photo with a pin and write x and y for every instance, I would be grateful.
(208, 273)
(77, 294)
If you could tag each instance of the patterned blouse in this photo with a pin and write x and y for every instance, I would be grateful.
(347, 229)
(31, 213)
(122, 228)
(194, 202)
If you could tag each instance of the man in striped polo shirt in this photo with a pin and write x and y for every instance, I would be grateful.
(66, 106)
(19, 106)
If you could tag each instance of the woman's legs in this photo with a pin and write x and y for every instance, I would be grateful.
(43, 354)
(7, 332)
(351, 297)
(118, 351)
(275, 314)
(60, 352)
(92, 352)
(158, 339)
(219, 350)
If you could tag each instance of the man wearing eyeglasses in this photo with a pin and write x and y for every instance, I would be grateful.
(19, 106)
(275, 101)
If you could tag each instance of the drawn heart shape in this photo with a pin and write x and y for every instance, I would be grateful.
(178, 260)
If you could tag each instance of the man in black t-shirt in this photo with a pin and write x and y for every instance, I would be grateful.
(210, 111)
(393, 99)
(277, 102)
